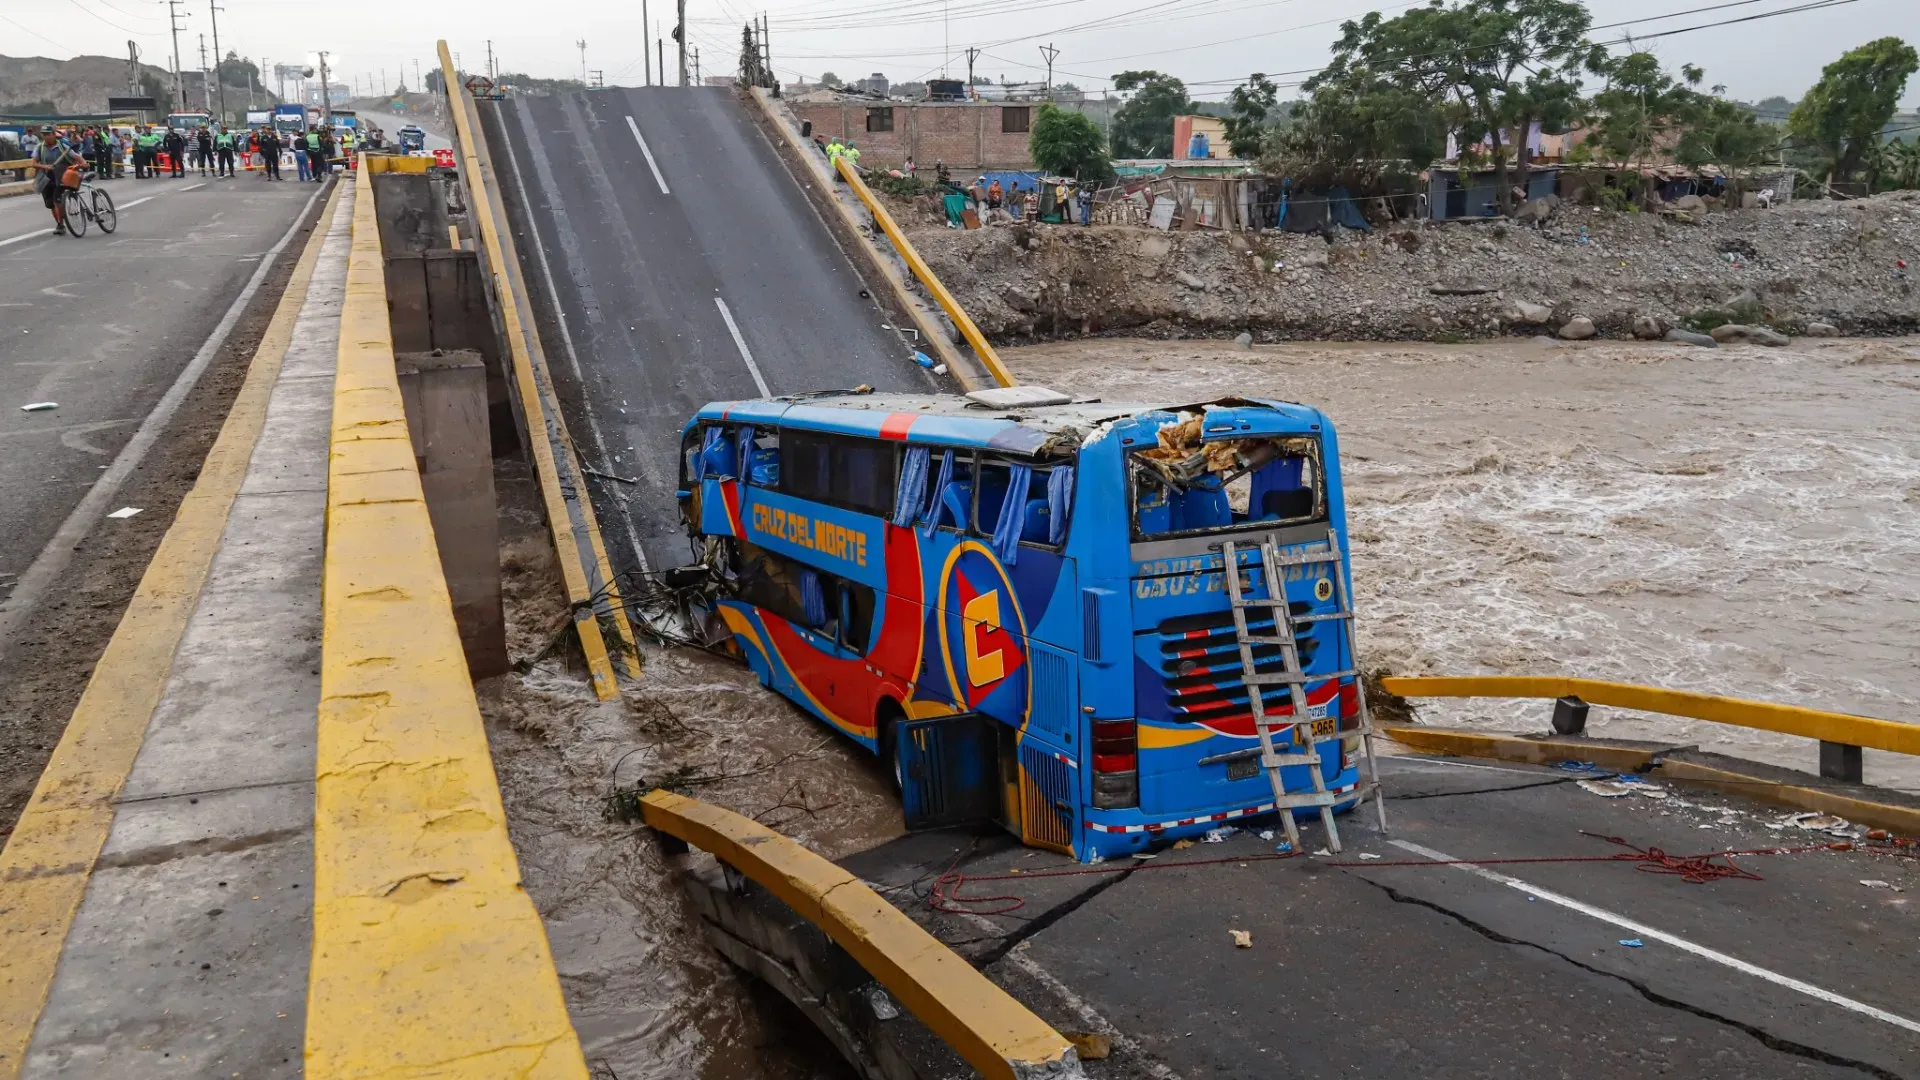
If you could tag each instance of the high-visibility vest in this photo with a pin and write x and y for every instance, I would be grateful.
(851, 153)
(313, 140)
(223, 141)
(834, 149)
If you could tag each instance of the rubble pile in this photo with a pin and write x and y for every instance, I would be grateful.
(1818, 268)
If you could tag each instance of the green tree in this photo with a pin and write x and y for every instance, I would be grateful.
(1729, 135)
(1641, 106)
(235, 71)
(1067, 143)
(155, 87)
(1906, 162)
(1248, 128)
(828, 78)
(1856, 95)
(436, 83)
(1143, 125)
(1358, 126)
(1497, 65)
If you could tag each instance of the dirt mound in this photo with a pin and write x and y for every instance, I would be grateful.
(1802, 263)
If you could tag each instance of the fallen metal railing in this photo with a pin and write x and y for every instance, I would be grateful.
(1841, 735)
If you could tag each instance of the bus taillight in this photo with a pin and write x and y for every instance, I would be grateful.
(1116, 764)
(1349, 700)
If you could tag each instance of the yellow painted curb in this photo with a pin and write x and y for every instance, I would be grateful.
(545, 426)
(428, 956)
(997, 1035)
(1763, 715)
(981, 347)
(1546, 751)
(47, 864)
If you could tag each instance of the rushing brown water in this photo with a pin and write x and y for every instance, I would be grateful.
(1739, 521)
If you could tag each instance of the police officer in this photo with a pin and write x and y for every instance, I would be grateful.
(203, 149)
(223, 151)
(270, 153)
(176, 147)
(316, 164)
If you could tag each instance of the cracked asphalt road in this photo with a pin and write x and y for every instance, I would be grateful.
(1432, 970)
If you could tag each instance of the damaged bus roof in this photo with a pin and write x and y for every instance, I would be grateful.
(950, 420)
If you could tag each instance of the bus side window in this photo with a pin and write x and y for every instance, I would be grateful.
(953, 507)
(763, 464)
(719, 458)
(690, 454)
(856, 616)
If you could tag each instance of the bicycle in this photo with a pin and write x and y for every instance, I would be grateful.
(88, 203)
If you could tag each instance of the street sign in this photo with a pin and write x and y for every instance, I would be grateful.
(481, 87)
(130, 104)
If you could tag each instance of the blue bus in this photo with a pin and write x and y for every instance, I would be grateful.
(1020, 601)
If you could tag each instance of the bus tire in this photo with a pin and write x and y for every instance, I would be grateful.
(886, 724)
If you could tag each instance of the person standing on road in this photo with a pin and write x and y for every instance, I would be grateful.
(269, 153)
(203, 149)
(316, 165)
(223, 151)
(176, 147)
(297, 143)
(327, 148)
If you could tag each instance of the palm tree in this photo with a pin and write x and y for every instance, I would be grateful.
(1906, 162)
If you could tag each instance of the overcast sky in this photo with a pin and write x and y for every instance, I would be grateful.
(1210, 43)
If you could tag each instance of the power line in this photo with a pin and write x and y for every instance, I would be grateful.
(42, 37)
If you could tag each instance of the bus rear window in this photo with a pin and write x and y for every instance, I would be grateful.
(1184, 486)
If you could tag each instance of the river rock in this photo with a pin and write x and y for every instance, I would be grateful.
(1742, 334)
(1190, 281)
(1691, 204)
(1529, 314)
(1537, 211)
(1688, 337)
(1648, 328)
(1461, 288)
(1244, 340)
(1820, 329)
(1578, 328)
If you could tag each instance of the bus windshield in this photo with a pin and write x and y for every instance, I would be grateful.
(1186, 485)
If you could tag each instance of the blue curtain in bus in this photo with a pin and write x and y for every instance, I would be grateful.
(743, 447)
(709, 452)
(812, 603)
(913, 486)
(1274, 490)
(1013, 513)
(1059, 502)
(939, 488)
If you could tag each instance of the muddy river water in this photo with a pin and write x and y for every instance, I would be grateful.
(1740, 521)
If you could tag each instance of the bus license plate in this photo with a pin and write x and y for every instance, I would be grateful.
(1243, 769)
(1325, 727)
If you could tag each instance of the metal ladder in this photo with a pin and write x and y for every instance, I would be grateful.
(1274, 566)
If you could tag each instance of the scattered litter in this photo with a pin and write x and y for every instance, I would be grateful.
(1322, 853)
(882, 1005)
(1242, 939)
(1531, 899)
(40, 406)
(1818, 822)
(1649, 791)
(1576, 766)
(922, 359)
(1182, 845)
(1630, 942)
(1606, 789)
(1095, 858)
(1143, 856)
(1283, 847)
(1266, 834)
(939, 369)
(125, 512)
(1368, 855)
(1215, 836)
(1876, 883)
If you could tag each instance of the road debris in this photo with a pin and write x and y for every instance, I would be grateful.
(1091, 1045)
(1876, 883)
(1219, 835)
(125, 512)
(40, 406)
(1606, 789)
(1813, 822)
(1633, 943)
(1242, 939)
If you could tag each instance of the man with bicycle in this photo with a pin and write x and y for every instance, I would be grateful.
(52, 160)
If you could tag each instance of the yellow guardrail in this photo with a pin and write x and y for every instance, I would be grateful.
(1830, 727)
(429, 958)
(981, 348)
(550, 446)
(997, 1035)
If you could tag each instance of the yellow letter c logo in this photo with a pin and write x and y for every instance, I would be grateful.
(983, 613)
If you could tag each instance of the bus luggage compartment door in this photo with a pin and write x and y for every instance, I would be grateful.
(949, 770)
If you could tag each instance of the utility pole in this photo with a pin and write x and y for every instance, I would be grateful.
(490, 58)
(696, 67)
(582, 44)
(972, 55)
(1049, 52)
(206, 92)
(385, 86)
(219, 83)
(766, 51)
(645, 56)
(419, 84)
(133, 69)
(680, 37)
(251, 72)
(173, 22)
(326, 93)
(660, 53)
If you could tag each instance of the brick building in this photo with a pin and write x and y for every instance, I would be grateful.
(963, 134)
